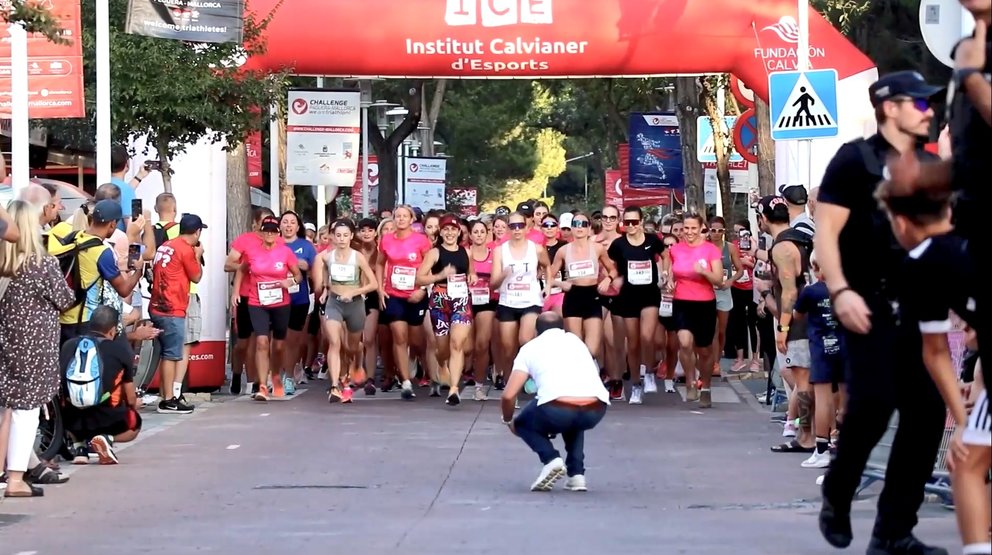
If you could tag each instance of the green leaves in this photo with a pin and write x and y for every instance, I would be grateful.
(34, 18)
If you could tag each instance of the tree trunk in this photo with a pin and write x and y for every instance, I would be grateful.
(238, 194)
(687, 91)
(437, 100)
(386, 147)
(287, 193)
(722, 144)
(766, 149)
(162, 146)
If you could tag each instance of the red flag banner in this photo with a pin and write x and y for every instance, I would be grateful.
(253, 148)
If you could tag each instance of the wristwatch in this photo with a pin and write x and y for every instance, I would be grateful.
(783, 328)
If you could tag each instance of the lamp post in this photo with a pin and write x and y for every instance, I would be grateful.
(585, 174)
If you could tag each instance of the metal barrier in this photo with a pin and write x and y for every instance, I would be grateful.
(939, 483)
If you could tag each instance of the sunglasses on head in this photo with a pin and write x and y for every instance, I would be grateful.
(580, 223)
(549, 225)
(631, 223)
(517, 226)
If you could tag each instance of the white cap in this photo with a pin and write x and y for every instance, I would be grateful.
(310, 227)
(565, 221)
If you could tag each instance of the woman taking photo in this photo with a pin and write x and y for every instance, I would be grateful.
(518, 265)
(448, 267)
(694, 267)
(33, 292)
(483, 305)
(266, 267)
(292, 232)
(342, 276)
(582, 259)
(403, 303)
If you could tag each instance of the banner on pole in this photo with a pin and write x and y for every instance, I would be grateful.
(356, 190)
(253, 150)
(464, 201)
(424, 180)
(55, 71)
(623, 194)
(322, 134)
(655, 151)
(187, 20)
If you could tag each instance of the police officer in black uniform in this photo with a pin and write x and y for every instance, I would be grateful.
(860, 260)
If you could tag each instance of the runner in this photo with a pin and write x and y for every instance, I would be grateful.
(733, 269)
(613, 326)
(293, 233)
(553, 294)
(448, 267)
(404, 305)
(483, 306)
(265, 267)
(368, 245)
(516, 267)
(342, 276)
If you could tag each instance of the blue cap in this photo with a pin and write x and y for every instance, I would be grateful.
(901, 84)
(107, 211)
(190, 223)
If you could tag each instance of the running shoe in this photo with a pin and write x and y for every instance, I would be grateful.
(499, 384)
(576, 483)
(453, 400)
(289, 385)
(104, 448)
(369, 388)
(650, 383)
(551, 473)
(236, 384)
(636, 394)
(262, 394)
(346, 395)
(277, 388)
(407, 393)
(480, 393)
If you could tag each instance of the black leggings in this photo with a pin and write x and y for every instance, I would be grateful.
(743, 323)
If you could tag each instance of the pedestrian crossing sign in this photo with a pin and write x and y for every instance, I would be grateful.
(803, 104)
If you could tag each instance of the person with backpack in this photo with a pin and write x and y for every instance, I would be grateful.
(32, 294)
(862, 265)
(87, 262)
(99, 401)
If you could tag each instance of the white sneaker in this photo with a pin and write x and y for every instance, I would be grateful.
(650, 384)
(669, 386)
(789, 430)
(576, 483)
(817, 460)
(480, 393)
(636, 394)
(551, 473)
(322, 375)
(644, 370)
(819, 479)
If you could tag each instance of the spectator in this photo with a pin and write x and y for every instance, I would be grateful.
(115, 418)
(33, 292)
(120, 163)
(46, 200)
(8, 229)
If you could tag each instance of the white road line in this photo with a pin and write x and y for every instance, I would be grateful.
(264, 414)
(233, 447)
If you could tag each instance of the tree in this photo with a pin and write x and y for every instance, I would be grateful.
(723, 143)
(386, 146)
(34, 17)
(174, 92)
(688, 92)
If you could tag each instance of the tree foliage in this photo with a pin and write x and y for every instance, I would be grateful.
(34, 17)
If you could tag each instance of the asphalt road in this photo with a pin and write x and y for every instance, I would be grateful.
(385, 476)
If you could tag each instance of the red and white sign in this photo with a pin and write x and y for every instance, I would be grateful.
(547, 38)
(465, 199)
(322, 134)
(740, 177)
(423, 183)
(253, 150)
(55, 71)
(356, 190)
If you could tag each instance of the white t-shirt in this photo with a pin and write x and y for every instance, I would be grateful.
(561, 366)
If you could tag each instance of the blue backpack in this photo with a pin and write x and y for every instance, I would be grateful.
(84, 375)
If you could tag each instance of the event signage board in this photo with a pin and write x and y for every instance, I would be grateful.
(322, 136)
(423, 182)
(655, 151)
(187, 20)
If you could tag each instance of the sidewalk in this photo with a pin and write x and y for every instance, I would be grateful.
(303, 476)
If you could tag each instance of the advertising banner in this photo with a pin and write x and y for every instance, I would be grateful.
(55, 71)
(464, 201)
(356, 190)
(548, 38)
(253, 150)
(423, 183)
(188, 20)
(655, 151)
(628, 196)
(322, 135)
(740, 177)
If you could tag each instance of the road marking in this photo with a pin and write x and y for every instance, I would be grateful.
(233, 447)
(696, 412)
(264, 414)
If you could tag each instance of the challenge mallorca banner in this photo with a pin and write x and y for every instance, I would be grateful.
(423, 183)
(188, 20)
(655, 151)
(356, 190)
(322, 135)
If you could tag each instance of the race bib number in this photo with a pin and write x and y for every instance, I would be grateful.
(480, 295)
(555, 290)
(294, 289)
(582, 269)
(270, 293)
(517, 292)
(666, 306)
(343, 272)
(831, 345)
(639, 272)
(403, 279)
(458, 286)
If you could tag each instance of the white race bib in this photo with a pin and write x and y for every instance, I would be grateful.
(517, 291)
(480, 295)
(294, 289)
(581, 269)
(556, 290)
(270, 293)
(458, 286)
(639, 272)
(403, 279)
(343, 272)
(665, 308)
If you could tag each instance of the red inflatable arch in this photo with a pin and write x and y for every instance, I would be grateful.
(547, 38)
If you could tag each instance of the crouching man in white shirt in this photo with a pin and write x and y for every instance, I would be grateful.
(570, 400)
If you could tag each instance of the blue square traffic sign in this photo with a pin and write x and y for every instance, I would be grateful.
(803, 104)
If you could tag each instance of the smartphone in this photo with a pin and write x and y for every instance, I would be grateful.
(133, 255)
(153, 165)
(745, 237)
(136, 209)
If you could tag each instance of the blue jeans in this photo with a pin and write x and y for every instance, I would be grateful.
(536, 423)
(173, 335)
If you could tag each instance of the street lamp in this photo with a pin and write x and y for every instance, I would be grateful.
(585, 173)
